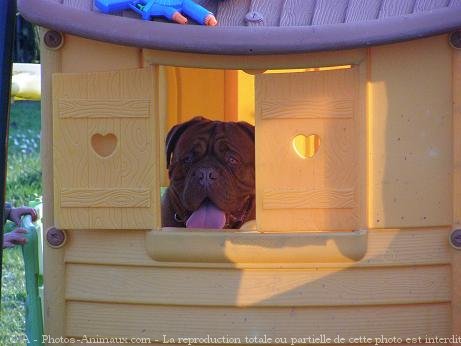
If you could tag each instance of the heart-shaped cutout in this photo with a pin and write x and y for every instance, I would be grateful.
(306, 146)
(104, 145)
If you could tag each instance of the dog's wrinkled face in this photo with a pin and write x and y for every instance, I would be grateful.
(211, 170)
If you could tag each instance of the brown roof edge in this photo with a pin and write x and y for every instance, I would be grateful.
(237, 40)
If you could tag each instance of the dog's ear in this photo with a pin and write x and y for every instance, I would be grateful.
(248, 128)
(175, 133)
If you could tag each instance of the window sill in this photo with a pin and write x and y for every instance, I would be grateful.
(212, 246)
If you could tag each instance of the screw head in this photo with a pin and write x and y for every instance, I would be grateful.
(55, 237)
(53, 39)
(455, 39)
(254, 17)
(455, 239)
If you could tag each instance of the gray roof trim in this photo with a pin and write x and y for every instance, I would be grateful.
(238, 40)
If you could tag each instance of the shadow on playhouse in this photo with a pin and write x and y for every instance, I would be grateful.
(357, 108)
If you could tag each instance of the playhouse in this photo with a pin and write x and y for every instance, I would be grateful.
(357, 109)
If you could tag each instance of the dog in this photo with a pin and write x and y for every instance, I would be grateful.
(211, 166)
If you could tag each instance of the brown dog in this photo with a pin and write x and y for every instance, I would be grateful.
(211, 165)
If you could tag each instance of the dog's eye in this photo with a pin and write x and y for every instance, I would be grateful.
(189, 158)
(232, 159)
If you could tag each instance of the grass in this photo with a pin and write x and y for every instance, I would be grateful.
(23, 185)
(24, 172)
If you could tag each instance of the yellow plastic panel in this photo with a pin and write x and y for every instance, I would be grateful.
(322, 190)
(172, 245)
(105, 168)
(246, 97)
(193, 92)
(456, 254)
(230, 287)
(158, 321)
(410, 115)
(385, 248)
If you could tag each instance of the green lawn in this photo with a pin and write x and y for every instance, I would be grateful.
(23, 185)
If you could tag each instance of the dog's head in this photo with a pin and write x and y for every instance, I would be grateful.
(211, 168)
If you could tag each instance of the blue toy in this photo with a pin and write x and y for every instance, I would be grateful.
(170, 9)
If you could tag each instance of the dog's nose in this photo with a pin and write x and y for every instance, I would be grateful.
(206, 176)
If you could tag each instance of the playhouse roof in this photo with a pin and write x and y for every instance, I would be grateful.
(258, 26)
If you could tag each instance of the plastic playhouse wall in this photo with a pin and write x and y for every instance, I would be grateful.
(382, 191)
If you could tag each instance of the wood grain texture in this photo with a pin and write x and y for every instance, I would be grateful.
(155, 321)
(232, 12)
(270, 12)
(297, 12)
(362, 10)
(104, 108)
(386, 248)
(105, 198)
(428, 5)
(82, 176)
(392, 8)
(317, 199)
(104, 172)
(322, 86)
(80, 4)
(140, 148)
(210, 5)
(70, 151)
(335, 166)
(327, 14)
(258, 287)
(410, 152)
(339, 108)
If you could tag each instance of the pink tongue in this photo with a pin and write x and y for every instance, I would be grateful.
(207, 216)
